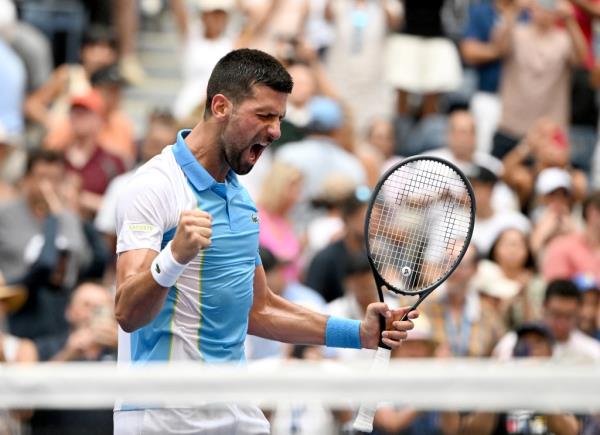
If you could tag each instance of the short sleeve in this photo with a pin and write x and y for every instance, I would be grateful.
(144, 212)
(257, 260)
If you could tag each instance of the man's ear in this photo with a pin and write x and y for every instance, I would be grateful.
(221, 106)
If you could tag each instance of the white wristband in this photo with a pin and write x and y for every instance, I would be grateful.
(165, 269)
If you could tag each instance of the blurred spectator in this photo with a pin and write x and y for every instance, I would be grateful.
(160, 132)
(319, 32)
(507, 279)
(590, 305)
(562, 307)
(116, 133)
(553, 215)
(274, 26)
(29, 43)
(319, 154)
(92, 336)
(489, 221)
(538, 56)
(420, 59)
(479, 51)
(279, 195)
(531, 341)
(359, 291)
(12, 163)
(462, 325)
(377, 151)
(545, 146)
(209, 37)
(407, 421)
(354, 61)
(52, 99)
(576, 253)
(13, 77)
(328, 267)
(42, 245)
(258, 347)
(85, 158)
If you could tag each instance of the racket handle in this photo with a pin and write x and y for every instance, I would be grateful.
(366, 413)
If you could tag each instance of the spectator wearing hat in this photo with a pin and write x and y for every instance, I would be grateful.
(532, 340)
(116, 132)
(319, 154)
(202, 29)
(420, 343)
(561, 310)
(85, 158)
(576, 253)
(490, 221)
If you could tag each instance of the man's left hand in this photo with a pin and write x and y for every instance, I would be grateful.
(396, 329)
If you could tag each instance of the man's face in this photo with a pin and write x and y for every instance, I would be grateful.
(461, 135)
(85, 122)
(561, 315)
(43, 173)
(252, 126)
(87, 302)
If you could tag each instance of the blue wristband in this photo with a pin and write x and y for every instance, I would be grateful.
(342, 333)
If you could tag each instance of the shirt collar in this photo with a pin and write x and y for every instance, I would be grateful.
(193, 170)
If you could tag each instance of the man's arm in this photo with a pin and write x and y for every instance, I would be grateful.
(139, 296)
(275, 318)
(476, 52)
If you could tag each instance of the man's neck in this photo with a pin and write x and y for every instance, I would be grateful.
(202, 142)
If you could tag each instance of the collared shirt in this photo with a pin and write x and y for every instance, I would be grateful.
(205, 314)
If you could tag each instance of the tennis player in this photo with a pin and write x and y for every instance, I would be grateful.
(190, 283)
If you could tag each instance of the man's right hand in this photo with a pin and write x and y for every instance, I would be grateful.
(193, 234)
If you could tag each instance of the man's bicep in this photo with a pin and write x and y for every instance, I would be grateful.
(130, 263)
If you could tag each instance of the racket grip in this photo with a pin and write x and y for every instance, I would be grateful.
(366, 413)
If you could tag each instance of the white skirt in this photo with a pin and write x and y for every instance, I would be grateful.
(422, 65)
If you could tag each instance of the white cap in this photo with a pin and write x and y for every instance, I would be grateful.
(8, 15)
(551, 179)
(213, 5)
(490, 280)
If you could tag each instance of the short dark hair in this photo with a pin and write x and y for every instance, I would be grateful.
(592, 200)
(42, 155)
(98, 34)
(239, 70)
(562, 288)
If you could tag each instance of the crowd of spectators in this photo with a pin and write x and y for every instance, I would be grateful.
(505, 89)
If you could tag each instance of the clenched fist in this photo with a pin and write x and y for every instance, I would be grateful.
(193, 234)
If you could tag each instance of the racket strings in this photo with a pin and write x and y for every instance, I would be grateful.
(419, 224)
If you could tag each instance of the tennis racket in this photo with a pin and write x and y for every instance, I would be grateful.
(418, 227)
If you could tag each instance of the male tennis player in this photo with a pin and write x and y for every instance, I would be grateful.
(190, 283)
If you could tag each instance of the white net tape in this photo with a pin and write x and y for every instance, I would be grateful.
(423, 384)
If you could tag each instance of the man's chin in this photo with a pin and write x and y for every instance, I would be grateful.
(242, 170)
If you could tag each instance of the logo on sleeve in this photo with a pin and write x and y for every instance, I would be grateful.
(254, 218)
(157, 268)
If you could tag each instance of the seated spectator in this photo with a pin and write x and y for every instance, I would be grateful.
(531, 341)
(378, 150)
(508, 280)
(407, 421)
(52, 100)
(116, 133)
(327, 269)
(538, 56)
(42, 246)
(590, 305)
(462, 325)
(544, 146)
(84, 156)
(576, 253)
(561, 309)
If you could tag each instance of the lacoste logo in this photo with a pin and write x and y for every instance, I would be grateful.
(254, 218)
(157, 268)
